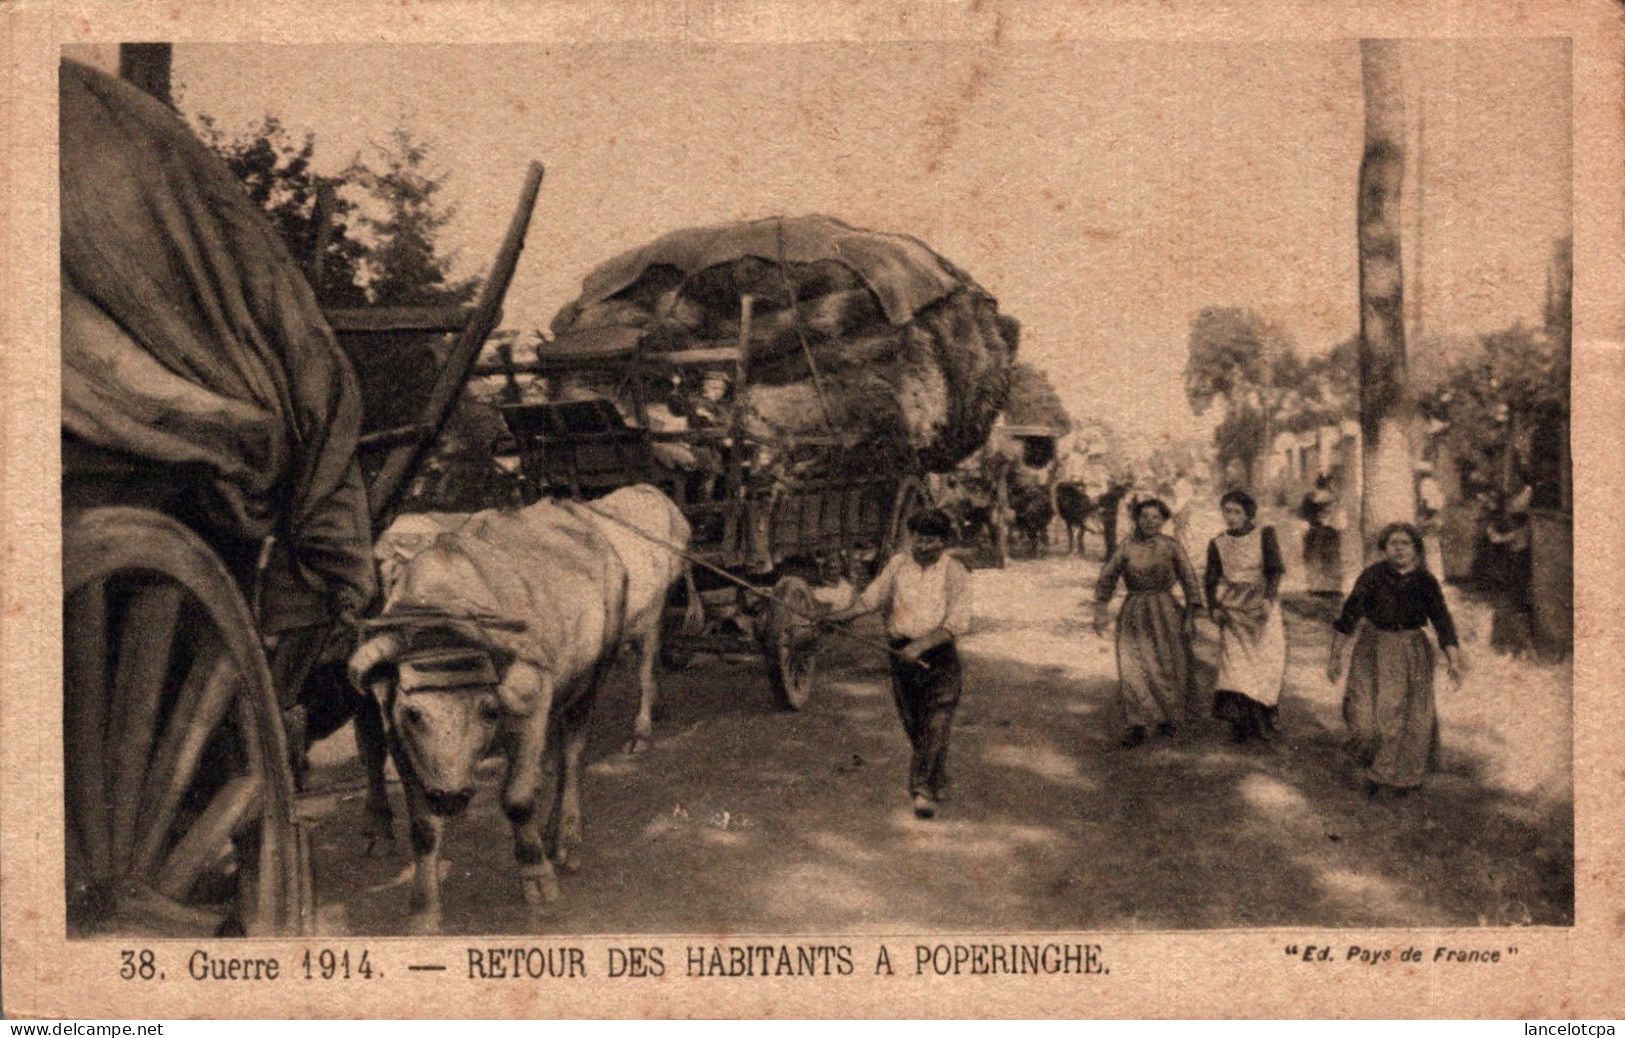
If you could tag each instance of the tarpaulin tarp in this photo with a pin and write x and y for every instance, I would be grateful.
(190, 337)
(868, 335)
(904, 275)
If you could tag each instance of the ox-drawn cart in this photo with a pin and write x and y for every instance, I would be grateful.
(788, 381)
(219, 499)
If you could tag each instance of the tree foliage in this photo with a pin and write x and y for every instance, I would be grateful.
(381, 242)
(1239, 360)
(404, 265)
(1490, 403)
(1325, 389)
(274, 168)
(1034, 401)
(1250, 366)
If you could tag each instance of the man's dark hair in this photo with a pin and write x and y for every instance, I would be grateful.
(932, 522)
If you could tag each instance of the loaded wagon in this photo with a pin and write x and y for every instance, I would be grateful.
(987, 494)
(761, 545)
(788, 382)
(220, 495)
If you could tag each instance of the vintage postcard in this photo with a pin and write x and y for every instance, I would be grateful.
(890, 508)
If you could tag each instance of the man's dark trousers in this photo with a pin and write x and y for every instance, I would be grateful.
(926, 697)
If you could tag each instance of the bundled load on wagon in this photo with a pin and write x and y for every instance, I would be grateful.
(828, 332)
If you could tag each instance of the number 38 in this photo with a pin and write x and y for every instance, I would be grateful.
(138, 964)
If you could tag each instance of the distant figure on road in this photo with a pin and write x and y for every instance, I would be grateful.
(1243, 583)
(1153, 639)
(924, 594)
(1507, 575)
(1108, 504)
(1388, 704)
(1322, 542)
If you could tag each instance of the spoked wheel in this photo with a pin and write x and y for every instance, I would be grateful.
(179, 797)
(790, 643)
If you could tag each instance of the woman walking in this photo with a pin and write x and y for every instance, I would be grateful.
(1153, 646)
(1243, 581)
(1322, 543)
(1388, 703)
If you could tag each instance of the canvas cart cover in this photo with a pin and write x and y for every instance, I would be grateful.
(904, 275)
(190, 337)
(855, 332)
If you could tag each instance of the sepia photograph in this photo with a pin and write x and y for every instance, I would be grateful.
(757, 502)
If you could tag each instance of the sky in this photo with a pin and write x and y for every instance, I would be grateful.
(1103, 192)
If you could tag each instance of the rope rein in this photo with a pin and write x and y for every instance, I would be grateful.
(743, 584)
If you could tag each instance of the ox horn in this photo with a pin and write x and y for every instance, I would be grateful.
(380, 648)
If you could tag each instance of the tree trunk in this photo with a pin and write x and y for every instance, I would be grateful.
(1387, 494)
(146, 65)
(1511, 472)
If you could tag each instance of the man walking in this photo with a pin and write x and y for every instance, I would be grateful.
(924, 595)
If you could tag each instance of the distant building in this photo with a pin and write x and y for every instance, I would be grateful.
(1297, 459)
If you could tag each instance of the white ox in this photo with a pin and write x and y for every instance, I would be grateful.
(628, 519)
(496, 630)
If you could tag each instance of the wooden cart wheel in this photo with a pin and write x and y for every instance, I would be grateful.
(790, 643)
(179, 795)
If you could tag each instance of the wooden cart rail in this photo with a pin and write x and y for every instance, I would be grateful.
(404, 448)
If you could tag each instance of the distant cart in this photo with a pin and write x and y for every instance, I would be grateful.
(1009, 448)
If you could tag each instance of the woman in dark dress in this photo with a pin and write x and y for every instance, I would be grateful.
(1322, 543)
(1388, 703)
(1153, 642)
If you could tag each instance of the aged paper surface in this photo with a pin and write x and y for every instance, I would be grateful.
(1111, 175)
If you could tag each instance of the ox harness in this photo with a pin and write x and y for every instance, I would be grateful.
(444, 651)
(793, 608)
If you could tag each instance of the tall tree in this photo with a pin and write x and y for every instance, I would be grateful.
(1249, 365)
(405, 266)
(1387, 493)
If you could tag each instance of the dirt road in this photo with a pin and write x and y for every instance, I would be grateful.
(742, 819)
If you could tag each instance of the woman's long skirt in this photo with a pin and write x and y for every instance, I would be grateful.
(1388, 704)
(1323, 561)
(1153, 659)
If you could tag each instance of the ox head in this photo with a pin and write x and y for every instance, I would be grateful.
(443, 695)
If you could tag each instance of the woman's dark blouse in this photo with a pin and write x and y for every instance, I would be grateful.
(1395, 601)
